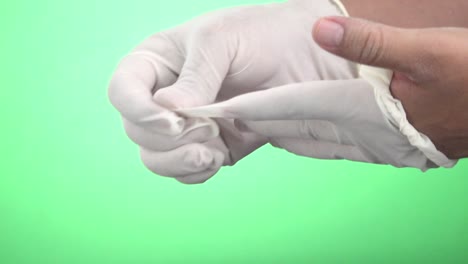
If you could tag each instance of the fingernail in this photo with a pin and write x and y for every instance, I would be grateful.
(329, 33)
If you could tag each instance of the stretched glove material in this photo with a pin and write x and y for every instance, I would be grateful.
(214, 58)
(338, 119)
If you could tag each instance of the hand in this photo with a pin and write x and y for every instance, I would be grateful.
(430, 79)
(338, 119)
(358, 121)
(213, 58)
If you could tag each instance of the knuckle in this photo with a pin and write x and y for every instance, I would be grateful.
(433, 58)
(209, 27)
(372, 44)
(156, 41)
(216, 26)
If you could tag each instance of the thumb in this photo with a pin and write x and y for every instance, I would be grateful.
(206, 65)
(371, 43)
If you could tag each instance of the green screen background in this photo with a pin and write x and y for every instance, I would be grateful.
(73, 190)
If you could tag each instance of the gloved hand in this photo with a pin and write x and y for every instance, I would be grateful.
(214, 58)
(343, 119)
(359, 119)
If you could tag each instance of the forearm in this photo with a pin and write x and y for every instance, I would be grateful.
(411, 13)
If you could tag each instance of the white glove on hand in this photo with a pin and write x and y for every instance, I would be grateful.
(214, 58)
(338, 119)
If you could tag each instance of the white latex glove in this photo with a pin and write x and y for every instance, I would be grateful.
(344, 119)
(213, 58)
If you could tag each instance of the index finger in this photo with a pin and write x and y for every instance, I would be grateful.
(132, 86)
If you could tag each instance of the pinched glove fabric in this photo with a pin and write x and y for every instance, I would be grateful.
(351, 119)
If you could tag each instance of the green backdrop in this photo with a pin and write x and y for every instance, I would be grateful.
(73, 190)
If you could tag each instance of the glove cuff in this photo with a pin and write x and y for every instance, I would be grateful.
(393, 109)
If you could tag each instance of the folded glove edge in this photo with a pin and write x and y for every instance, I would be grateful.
(393, 109)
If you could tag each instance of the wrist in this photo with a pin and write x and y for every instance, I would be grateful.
(451, 141)
(455, 149)
(440, 115)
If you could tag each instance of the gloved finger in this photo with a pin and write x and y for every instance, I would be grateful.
(194, 131)
(370, 43)
(209, 55)
(186, 160)
(320, 149)
(333, 101)
(198, 178)
(152, 65)
(222, 157)
(300, 129)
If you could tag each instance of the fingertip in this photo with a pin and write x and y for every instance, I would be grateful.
(197, 159)
(167, 99)
(191, 159)
(177, 97)
(328, 32)
(202, 177)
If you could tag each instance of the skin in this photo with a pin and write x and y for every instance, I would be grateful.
(410, 13)
(430, 64)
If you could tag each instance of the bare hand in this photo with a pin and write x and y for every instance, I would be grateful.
(431, 72)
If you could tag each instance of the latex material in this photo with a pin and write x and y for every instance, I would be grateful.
(210, 59)
(251, 108)
(219, 56)
(338, 119)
